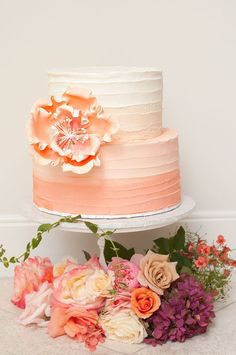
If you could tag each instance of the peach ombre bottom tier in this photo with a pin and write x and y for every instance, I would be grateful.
(133, 178)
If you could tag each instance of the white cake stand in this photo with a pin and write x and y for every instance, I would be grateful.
(122, 224)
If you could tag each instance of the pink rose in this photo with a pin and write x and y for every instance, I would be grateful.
(29, 276)
(77, 323)
(85, 285)
(120, 301)
(37, 306)
(66, 264)
(126, 273)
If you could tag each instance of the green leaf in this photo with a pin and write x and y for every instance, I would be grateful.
(46, 227)
(76, 218)
(163, 245)
(86, 255)
(28, 246)
(2, 252)
(181, 260)
(123, 252)
(110, 232)
(5, 262)
(26, 255)
(93, 227)
(179, 239)
(186, 270)
(12, 260)
(34, 243)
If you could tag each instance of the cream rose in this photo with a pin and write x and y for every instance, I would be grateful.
(37, 306)
(123, 326)
(100, 284)
(157, 272)
(85, 285)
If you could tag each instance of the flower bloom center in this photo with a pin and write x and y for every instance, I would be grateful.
(67, 135)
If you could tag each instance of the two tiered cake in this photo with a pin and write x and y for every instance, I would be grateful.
(99, 147)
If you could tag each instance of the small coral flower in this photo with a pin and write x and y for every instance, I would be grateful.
(204, 249)
(190, 247)
(220, 240)
(201, 262)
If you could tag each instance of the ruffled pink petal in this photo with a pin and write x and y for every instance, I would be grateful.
(94, 263)
(82, 149)
(103, 127)
(136, 258)
(63, 112)
(81, 168)
(80, 99)
(45, 156)
(51, 106)
(39, 126)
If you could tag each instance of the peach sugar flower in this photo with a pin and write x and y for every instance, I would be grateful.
(29, 276)
(144, 302)
(70, 131)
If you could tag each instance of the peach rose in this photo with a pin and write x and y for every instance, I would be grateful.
(69, 131)
(29, 276)
(144, 302)
(156, 272)
(37, 306)
(77, 323)
(85, 285)
(120, 301)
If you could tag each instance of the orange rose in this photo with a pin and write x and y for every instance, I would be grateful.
(144, 302)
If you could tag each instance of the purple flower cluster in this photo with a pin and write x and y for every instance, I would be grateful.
(186, 310)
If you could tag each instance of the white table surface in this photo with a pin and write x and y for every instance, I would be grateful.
(18, 340)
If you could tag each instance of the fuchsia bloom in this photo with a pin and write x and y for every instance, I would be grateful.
(186, 310)
(29, 276)
(69, 131)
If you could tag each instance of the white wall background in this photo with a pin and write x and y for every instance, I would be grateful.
(194, 41)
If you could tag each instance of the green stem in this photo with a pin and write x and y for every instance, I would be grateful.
(46, 228)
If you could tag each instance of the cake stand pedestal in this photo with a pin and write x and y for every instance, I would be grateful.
(122, 224)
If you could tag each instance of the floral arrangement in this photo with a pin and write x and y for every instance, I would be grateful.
(69, 131)
(164, 294)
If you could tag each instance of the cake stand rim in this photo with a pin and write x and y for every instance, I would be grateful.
(121, 224)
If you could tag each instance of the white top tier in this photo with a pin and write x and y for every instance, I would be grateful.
(113, 86)
(131, 95)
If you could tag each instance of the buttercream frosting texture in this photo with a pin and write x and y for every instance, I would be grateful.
(138, 170)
